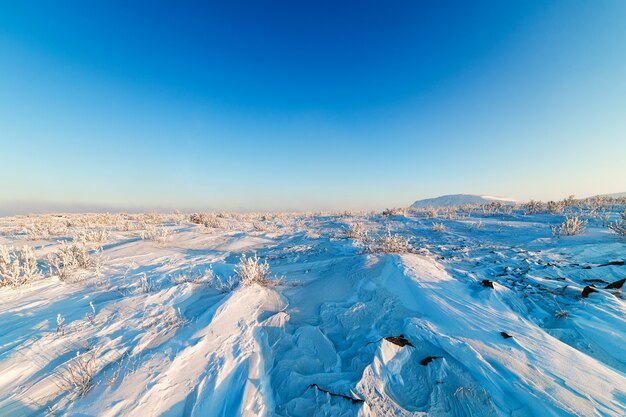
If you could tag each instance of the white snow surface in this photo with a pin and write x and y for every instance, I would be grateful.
(459, 200)
(313, 342)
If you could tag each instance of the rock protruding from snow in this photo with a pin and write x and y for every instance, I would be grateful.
(459, 200)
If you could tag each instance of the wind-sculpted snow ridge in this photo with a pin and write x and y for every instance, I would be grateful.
(490, 315)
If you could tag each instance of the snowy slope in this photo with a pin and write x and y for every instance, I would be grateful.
(314, 343)
(459, 200)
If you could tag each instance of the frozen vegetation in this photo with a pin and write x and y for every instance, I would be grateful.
(474, 310)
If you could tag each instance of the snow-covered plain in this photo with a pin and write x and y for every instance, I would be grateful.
(157, 325)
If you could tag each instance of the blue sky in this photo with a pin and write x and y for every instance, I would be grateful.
(308, 104)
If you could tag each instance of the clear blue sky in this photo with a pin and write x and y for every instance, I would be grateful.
(308, 104)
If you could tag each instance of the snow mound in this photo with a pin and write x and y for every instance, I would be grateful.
(459, 200)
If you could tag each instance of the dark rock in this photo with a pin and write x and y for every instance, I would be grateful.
(399, 340)
(588, 290)
(595, 281)
(428, 359)
(487, 283)
(616, 285)
(613, 263)
(345, 397)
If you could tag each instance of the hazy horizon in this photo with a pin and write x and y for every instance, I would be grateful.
(12, 208)
(308, 105)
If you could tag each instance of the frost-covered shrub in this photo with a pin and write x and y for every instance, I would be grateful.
(125, 225)
(570, 201)
(209, 220)
(476, 225)
(91, 316)
(555, 207)
(45, 229)
(619, 226)
(159, 234)
(146, 284)
(17, 266)
(572, 225)
(602, 217)
(492, 208)
(207, 278)
(60, 325)
(438, 227)
(70, 258)
(561, 314)
(356, 231)
(80, 372)
(251, 271)
(264, 226)
(390, 243)
(394, 212)
(89, 236)
(432, 213)
(190, 276)
(533, 207)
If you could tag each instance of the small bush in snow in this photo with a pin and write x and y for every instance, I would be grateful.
(80, 373)
(572, 225)
(70, 258)
(619, 226)
(533, 207)
(206, 277)
(356, 231)
(224, 286)
(389, 243)
(60, 325)
(158, 234)
(251, 271)
(145, 284)
(394, 212)
(209, 220)
(264, 226)
(45, 229)
(561, 314)
(438, 227)
(116, 370)
(17, 266)
(88, 236)
(476, 225)
(432, 213)
(195, 277)
(556, 207)
(602, 217)
(91, 316)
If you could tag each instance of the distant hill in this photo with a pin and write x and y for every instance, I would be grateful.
(612, 195)
(460, 199)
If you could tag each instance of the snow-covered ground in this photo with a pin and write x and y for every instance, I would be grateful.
(155, 323)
